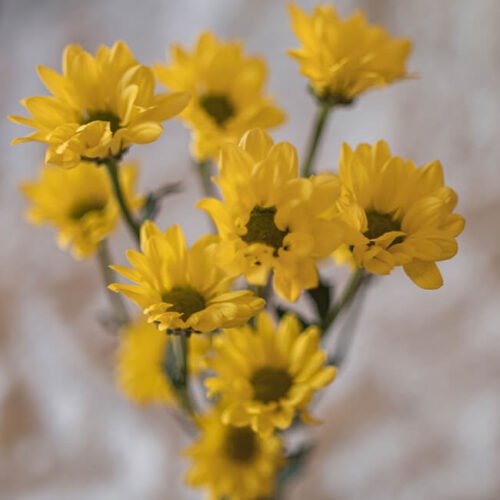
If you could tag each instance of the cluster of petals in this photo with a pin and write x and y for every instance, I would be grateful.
(227, 89)
(397, 214)
(99, 106)
(270, 219)
(180, 288)
(343, 58)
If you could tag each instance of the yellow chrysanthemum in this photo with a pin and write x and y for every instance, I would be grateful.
(141, 358)
(180, 288)
(233, 462)
(270, 218)
(399, 215)
(268, 374)
(343, 58)
(228, 92)
(99, 107)
(79, 203)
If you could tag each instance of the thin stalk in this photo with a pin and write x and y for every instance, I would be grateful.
(346, 298)
(134, 227)
(346, 334)
(108, 276)
(204, 173)
(320, 122)
(180, 373)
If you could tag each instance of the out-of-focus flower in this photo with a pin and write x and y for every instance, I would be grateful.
(233, 462)
(266, 375)
(99, 106)
(79, 203)
(141, 358)
(399, 215)
(183, 289)
(270, 219)
(343, 58)
(228, 90)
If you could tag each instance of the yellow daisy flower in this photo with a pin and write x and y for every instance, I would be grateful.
(79, 203)
(399, 215)
(99, 106)
(180, 288)
(233, 462)
(343, 58)
(270, 218)
(265, 375)
(141, 357)
(228, 92)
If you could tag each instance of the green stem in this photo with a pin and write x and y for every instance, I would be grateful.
(348, 295)
(179, 372)
(320, 122)
(346, 334)
(112, 168)
(108, 275)
(204, 173)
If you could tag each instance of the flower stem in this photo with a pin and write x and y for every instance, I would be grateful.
(203, 170)
(346, 334)
(320, 122)
(108, 275)
(112, 168)
(178, 370)
(350, 291)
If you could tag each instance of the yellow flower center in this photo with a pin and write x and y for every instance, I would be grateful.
(184, 300)
(105, 116)
(84, 207)
(270, 384)
(218, 106)
(240, 444)
(379, 224)
(261, 228)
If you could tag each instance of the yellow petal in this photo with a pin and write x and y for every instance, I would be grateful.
(424, 274)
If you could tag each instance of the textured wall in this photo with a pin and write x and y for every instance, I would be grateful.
(415, 414)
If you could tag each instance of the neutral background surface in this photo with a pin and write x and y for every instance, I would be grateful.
(415, 414)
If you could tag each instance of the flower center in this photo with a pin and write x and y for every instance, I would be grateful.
(240, 444)
(185, 300)
(270, 384)
(84, 207)
(218, 106)
(379, 224)
(105, 116)
(261, 228)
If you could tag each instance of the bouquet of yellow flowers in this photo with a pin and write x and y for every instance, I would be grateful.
(221, 313)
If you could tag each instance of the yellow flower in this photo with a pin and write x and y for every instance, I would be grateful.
(79, 203)
(228, 92)
(399, 215)
(233, 462)
(99, 106)
(180, 288)
(141, 358)
(270, 218)
(268, 374)
(343, 58)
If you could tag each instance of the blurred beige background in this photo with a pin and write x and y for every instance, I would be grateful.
(415, 414)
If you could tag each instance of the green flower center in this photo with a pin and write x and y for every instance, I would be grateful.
(185, 300)
(218, 106)
(270, 384)
(261, 228)
(240, 444)
(105, 116)
(84, 207)
(379, 224)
